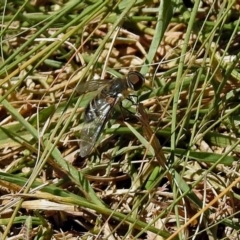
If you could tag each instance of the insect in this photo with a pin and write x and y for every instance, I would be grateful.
(99, 109)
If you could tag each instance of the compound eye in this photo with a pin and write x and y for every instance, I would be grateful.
(135, 80)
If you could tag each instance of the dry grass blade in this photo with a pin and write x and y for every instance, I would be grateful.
(151, 137)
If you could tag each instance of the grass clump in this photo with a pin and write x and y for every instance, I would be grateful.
(170, 171)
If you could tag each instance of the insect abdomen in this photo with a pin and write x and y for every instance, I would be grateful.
(95, 108)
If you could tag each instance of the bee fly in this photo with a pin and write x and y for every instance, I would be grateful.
(99, 109)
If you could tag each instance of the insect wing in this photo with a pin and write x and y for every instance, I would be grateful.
(92, 130)
(92, 86)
